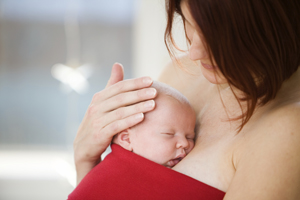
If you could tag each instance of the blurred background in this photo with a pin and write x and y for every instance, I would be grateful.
(54, 55)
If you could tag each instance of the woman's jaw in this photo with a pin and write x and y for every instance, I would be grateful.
(212, 73)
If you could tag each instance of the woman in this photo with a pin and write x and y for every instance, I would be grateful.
(246, 93)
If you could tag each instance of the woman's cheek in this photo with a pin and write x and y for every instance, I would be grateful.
(189, 33)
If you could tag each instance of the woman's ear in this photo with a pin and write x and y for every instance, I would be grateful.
(123, 139)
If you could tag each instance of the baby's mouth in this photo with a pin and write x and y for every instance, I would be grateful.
(175, 161)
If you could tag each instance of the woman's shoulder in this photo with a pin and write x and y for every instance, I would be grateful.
(284, 118)
(279, 124)
(274, 137)
(270, 154)
(281, 116)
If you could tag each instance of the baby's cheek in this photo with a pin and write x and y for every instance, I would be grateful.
(165, 154)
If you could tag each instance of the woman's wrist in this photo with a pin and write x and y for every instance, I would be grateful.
(84, 167)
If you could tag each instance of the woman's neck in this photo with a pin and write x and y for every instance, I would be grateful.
(288, 93)
(290, 90)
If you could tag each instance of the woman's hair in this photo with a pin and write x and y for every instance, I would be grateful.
(254, 43)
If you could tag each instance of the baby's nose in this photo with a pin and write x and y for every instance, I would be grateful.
(183, 143)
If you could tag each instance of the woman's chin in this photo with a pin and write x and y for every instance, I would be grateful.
(212, 76)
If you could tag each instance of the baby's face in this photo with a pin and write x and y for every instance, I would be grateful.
(167, 134)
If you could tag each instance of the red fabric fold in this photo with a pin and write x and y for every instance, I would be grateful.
(125, 175)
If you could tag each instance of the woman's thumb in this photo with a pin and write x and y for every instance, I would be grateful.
(117, 74)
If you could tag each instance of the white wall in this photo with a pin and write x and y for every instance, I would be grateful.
(149, 52)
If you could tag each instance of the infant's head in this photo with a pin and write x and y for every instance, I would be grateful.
(167, 133)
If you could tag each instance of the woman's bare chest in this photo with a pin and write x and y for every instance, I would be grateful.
(211, 159)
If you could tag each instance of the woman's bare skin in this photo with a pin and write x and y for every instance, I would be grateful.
(267, 145)
(260, 162)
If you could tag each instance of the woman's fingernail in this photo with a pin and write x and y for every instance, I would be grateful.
(139, 116)
(147, 80)
(151, 92)
(117, 63)
(149, 104)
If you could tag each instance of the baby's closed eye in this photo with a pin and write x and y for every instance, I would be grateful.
(169, 133)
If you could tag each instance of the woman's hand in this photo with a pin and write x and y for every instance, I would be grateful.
(119, 106)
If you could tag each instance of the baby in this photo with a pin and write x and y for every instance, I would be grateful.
(166, 135)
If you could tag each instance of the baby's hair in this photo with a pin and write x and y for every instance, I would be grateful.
(163, 88)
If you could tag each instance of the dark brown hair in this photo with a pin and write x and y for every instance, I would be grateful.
(254, 43)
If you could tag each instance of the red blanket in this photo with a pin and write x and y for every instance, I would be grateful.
(125, 175)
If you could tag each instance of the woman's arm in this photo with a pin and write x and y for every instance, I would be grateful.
(119, 106)
(269, 167)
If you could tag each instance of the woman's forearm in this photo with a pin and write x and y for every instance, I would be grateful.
(83, 168)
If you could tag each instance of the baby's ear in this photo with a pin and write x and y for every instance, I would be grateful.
(123, 140)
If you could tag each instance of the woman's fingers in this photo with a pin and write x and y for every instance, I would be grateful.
(127, 111)
(128, 98)
(123, 86)
(117, 126)
(117, 74)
